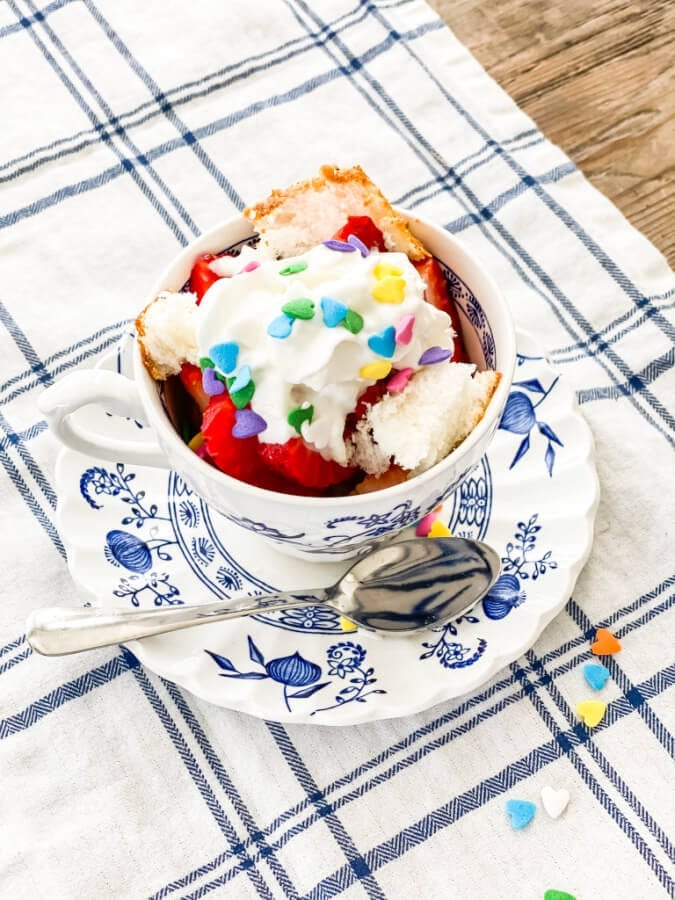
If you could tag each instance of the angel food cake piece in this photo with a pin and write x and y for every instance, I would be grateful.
(325, 360)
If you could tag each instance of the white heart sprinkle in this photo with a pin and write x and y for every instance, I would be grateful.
(554, 802)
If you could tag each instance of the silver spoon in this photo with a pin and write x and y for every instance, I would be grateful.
(397, 588)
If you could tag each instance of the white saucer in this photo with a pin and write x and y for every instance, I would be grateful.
(138, 536)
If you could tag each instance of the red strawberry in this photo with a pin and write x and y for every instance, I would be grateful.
(201, 276)
(297, 462)
(369, 397)
(191, 379)
(437, 294)
(364, 229)
(235, 456)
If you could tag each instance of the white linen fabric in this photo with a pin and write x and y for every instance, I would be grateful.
(128, 129)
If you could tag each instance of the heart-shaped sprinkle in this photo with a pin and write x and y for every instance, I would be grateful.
(247, 424)
(399, 380)
(347, 625)
(249, 267)
(605, 643)
(298, 415)
(375, 370)
(390, 289)
(591, 712)
(404, 329)
(521, 812)
(358, 244)
(596, 675)
(434, 355)
(340, 246)
(243, 396)
(242, 378)
(554, 802)
(552, 894)
(439, 529)
(206, 362)
(384, 270)
(293, 268)
(280, 327)
(301, 308)
(383, 343)
(333, 311)
(225, 356)
(424, 525)
(212, 385)
(353, 321)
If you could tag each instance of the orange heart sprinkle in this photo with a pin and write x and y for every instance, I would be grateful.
(605, 643)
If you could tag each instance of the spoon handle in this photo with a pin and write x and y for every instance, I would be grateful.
(53, 631)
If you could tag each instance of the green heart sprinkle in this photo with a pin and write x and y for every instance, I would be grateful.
(298, 415)
(242, 397)
(293, 269)
(206, 363)
(552, 894)
(302, 308)
(353, 321)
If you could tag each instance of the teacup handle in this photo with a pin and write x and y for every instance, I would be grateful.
(117, 395)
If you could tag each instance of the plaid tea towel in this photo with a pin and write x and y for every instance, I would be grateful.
(127, 130)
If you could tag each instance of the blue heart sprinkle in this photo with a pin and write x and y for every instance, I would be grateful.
(280, 327)
(333, 311)
(224, 356)
(384, 343)
(243, 378)
(596, 675)
(521, 812)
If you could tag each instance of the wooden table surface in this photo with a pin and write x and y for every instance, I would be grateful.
(597, 76)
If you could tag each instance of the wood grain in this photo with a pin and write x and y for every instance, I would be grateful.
(598, 79)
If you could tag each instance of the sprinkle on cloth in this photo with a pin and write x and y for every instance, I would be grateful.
(211, 384)
(520, 812)
(225, 356)
(552, 894)
(554, 801)
(591, 712)
(247, 424)
(596, 675)
(605, 643)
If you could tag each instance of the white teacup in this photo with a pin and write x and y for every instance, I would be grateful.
(315, 528)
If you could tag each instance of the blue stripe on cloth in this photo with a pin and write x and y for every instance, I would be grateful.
(6, 666)
(21, 340)
(417, 143)
(269, 58)
(246, 863)
(119, 131)
(651, 720)
(589, 244)
(357, 863)
(129, 164)
(634, 384)
(434, 727)
(29, 21)
(224, 780)
(84, 106)
(12, 645)
(476, 797)
(14, 438)
(71, 690)
(611, 775)
(165, 106)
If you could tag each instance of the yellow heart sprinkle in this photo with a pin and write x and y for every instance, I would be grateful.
(591, 712)
(375, 370)
(346, 625)
(438, 529)
(381, 270)
(389, 290)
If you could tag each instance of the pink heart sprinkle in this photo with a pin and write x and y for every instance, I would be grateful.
(399, 380)
(404, 329)
(425, 523)
(249, 267)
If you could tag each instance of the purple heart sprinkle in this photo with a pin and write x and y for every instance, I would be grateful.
(358, 244)
(212, 385)
(247, 424)
(434, 355)
(340, 246)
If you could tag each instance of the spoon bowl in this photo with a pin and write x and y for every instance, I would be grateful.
(397, 588)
